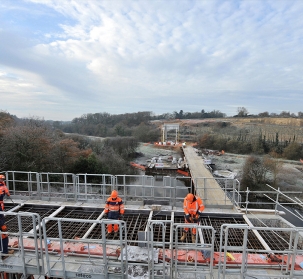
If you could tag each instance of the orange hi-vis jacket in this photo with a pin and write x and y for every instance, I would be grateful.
(3, 228)
(194, 207)
(114, 207)
(3, 191)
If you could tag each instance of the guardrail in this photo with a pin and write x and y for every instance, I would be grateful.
(40, 254)
(96, 187)
(136, 189)
(25, 261)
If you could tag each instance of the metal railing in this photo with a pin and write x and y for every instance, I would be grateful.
(282, 261)
(155, 257)
(186, 255)
(93, 186)
(25, 261)
(83, 257)
(230, 190)
(97, 187)
(273, 199)
(57, 184)
(140, 189)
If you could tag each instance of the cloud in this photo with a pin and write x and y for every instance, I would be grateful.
(125, 56)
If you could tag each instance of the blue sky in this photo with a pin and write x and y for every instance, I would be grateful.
(61, 59)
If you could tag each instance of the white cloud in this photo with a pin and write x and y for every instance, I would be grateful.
(123, 56)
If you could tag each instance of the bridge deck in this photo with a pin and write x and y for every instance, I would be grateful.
(206, 186)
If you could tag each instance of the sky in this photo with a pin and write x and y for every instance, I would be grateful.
(62, 59)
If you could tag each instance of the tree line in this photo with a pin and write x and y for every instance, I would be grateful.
(140, 124)
(34, 145)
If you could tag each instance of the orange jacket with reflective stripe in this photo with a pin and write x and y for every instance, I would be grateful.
(3, 228)
(114, 205)
(194, 207)
(3, 190)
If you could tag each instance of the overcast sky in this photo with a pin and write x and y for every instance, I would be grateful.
(60, 59)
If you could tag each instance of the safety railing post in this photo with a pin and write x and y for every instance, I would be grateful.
(244, 252)
(247, 200)
(277, 201)
(74, 183)
(38, 186)
(234, 193)
(295, 249)
(174, 192)
(205, 188)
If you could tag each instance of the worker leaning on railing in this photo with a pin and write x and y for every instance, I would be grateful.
(3, 190)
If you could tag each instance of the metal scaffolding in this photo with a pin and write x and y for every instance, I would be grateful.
(68, 240)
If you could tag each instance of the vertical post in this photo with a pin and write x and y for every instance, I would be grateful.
(234, 194)
(38, 185)
(277, 201)
(21, 245)
(246, 202)
(75, 185)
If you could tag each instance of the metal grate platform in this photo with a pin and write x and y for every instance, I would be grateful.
(70, 229)
(136, 223)
(27, 222)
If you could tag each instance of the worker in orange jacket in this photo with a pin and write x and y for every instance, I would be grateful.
(4, 238)
(193, 207)
(3, 190)
(114, 209)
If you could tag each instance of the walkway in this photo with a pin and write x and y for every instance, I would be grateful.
(206, 186)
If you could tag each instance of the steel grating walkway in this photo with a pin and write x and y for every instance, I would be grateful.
(137, 222)
(72, 230)
(27, 222)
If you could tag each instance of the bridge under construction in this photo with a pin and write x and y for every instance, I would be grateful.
(56, 228)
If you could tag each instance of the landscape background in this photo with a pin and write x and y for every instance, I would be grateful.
(260, 149)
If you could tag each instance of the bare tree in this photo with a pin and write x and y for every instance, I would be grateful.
(27, 146)
(242, 112)
(254, 172)
(66, 152)
(275, 166)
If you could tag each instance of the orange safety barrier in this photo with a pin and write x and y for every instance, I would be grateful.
(231, 258)
(167, 254)
(72, 247)
(138, 166)
(185, 173)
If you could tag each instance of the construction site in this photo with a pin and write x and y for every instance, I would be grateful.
(56, 228)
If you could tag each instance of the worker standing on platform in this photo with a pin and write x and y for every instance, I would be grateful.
(114, 209)
(193, 207)
(4, 238)
(3, 191)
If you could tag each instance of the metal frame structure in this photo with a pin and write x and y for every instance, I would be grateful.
(133, 189)
(170, 126)
(245, 269)
(100, 257)
(29, 261)
(38, 252)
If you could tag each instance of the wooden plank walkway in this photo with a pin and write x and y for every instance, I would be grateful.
(207, 188)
